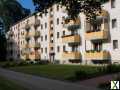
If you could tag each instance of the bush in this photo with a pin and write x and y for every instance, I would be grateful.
(22, 63)
(43, 62)
(112, 68)
(89, 72)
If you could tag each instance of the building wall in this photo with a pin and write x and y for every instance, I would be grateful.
(82, 49)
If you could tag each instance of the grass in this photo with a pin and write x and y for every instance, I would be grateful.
(9, 85)
(63, 72)
(60, 72)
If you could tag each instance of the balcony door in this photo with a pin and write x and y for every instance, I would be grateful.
(97, 46)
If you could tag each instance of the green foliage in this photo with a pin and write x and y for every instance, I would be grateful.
(68, 72)
(2, 47)
(74, 7)
(11, 12)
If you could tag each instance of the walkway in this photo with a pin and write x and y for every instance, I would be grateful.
(38, 83)
(94, 82)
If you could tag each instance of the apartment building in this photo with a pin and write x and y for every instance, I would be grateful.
(52, 35)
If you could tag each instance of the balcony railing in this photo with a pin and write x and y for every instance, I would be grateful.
(27, 36)
(27, 27)
(94, 55)
(37, 23)
(71, 39)
(99, 35)
(71, 55)
(37, 55)
(37, 34)
(37, 45)
(27, 56)
(72, 24)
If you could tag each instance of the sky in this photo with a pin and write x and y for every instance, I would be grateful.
(27, 4)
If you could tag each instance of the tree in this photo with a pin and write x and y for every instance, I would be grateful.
(74, 7)
(2, 47)
(11, 11)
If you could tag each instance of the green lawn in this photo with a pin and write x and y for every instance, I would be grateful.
(67, 72)
(61, 72)
(9, 85)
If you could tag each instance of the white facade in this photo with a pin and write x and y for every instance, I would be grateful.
(66, 41)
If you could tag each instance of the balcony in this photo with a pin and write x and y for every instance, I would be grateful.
(37, 34)
(99, 35)
(27, 27)
(94, 55)
(37, 23)
(27, 45)
(27, 36)
(71, 39)
(37, 45)
(72, 24)
(27, 57)
(11, 33)
(71, 55)
(37, 55)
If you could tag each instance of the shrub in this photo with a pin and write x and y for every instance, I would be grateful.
(21, 63)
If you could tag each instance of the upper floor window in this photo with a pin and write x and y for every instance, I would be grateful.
(41, 38)
(45, 50)
(112, 3)
(41, 26)
(58, 49)
(51, 22)
(63, 33)
(64, 48)
(115, 44)
(51, 9)
(114, 23)
(41, 50)
(57, 7)
(45, 37)
(45, 25)
(52, 48)
(57, 21)
(58, 35)
(45, 12)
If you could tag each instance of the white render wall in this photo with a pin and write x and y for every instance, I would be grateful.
(114, 32)
(85, 44)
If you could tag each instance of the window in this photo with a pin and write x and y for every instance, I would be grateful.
(112, 3)
(58, 35)
(51, 9)
(115, 44)
(41, 50)
(45, 12)
(114, 23)
(51, 28)
(45, 37)
(40, 15)
(41, 38)
(64, 48)
(58, 49)
(57, 21)
(52, 48)
(57, 7)
(51, 22)
(51, 35)
(41, 26)
(45, 50)
(63, 33)
(45, 25)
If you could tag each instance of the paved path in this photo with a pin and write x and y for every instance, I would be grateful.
(94, 82)
(38, 83)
